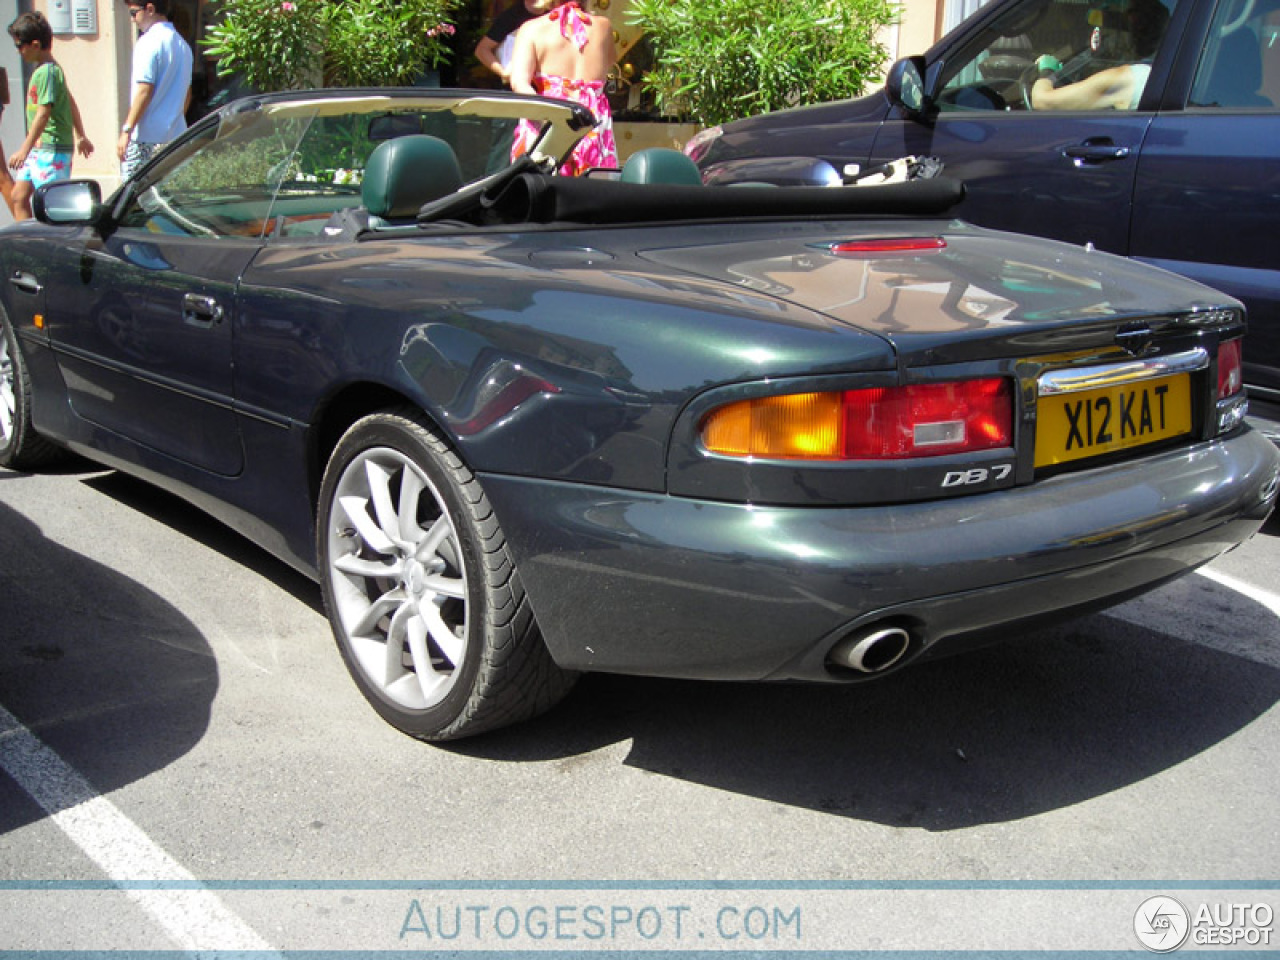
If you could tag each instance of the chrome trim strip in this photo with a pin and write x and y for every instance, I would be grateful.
(1113, 374)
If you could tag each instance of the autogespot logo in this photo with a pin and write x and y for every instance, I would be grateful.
(1162, 924)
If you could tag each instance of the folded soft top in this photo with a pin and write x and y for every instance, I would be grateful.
(537, 198)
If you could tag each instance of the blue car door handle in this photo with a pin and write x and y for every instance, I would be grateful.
(199, 311)
(1096, 151)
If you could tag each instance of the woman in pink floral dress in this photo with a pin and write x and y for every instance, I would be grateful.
(567, 54)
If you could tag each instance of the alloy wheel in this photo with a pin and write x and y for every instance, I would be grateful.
(398, 579)
(8, 395)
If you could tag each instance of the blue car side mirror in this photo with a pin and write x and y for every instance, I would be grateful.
(907, 88)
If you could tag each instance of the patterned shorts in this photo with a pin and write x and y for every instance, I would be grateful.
(45, 165)
(135, 155)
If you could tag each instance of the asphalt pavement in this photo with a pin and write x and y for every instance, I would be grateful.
(173, 693)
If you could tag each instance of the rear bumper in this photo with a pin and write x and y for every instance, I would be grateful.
(1264, 416)
(632, 582)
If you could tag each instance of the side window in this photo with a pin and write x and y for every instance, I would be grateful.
(1240, 64)
(335, 148)
(1059, 55)
(221, 184)
(326, 172)
(323, 176)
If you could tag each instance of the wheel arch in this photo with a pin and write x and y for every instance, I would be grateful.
(496, 667)
(336, 415)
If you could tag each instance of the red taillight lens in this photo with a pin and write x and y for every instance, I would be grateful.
(1230, 368)
(928, 419)
(922, 420)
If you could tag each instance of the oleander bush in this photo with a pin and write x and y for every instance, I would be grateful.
(296, 44)
(721, 60)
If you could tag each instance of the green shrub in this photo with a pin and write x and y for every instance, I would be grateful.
(295, 44)
(720, 60)
(374, 43)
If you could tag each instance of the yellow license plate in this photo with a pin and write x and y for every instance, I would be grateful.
(1087, 423)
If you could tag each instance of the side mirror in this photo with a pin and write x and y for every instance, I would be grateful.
(905, 87)
(68, 202)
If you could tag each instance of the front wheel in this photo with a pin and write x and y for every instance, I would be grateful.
(427, 608)
(21, 448)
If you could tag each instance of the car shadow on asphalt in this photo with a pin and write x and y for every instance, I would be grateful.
(1001, 733)
(108, 674)
(1272, 527)
(192, 522)
(1035, 724)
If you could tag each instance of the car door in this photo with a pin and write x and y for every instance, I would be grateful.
(1063, 173)
(143, 314)
(1207, 198)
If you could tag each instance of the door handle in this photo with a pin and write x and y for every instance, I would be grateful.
(200, 311)
(25, 282)
(1096, 151)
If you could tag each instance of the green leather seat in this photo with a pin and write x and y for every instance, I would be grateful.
(403, 174)
(660, 165)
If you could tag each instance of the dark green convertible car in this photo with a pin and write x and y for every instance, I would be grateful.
(520, 426)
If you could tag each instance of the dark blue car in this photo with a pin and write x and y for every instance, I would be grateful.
(1147, 129)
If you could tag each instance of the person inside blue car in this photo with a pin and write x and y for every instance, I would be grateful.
(1115, 88)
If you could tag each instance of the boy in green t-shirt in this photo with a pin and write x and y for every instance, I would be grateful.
(53, 119)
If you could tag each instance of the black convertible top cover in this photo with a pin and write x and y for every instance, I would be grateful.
(537, 198)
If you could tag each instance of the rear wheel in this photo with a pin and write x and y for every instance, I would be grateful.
(21, 448)
(426, 606)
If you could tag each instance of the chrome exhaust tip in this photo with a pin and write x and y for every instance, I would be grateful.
(871, 649)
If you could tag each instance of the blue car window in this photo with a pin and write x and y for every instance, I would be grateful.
(1059, 55)
(1239, 66)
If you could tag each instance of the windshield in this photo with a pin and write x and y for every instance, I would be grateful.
(282, 165)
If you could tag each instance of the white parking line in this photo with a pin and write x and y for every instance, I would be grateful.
(1264, 597)
(190, 914)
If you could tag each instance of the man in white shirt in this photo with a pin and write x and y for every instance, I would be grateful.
(161, 86)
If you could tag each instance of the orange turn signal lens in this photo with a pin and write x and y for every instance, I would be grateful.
(803, 426)
(880, 423)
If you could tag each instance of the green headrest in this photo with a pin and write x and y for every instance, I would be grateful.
(404, 173)
(660, 165)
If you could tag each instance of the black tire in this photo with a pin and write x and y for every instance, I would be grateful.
(426, 606)
(21, 448)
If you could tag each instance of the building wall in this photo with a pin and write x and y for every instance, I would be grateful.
(97, 70)
(921, 24)
(12, 125)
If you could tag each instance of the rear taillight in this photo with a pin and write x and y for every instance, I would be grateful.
(1232, 402)
(882, 423)
(1230, 368)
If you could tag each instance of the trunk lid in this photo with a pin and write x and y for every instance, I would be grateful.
(983, 295)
